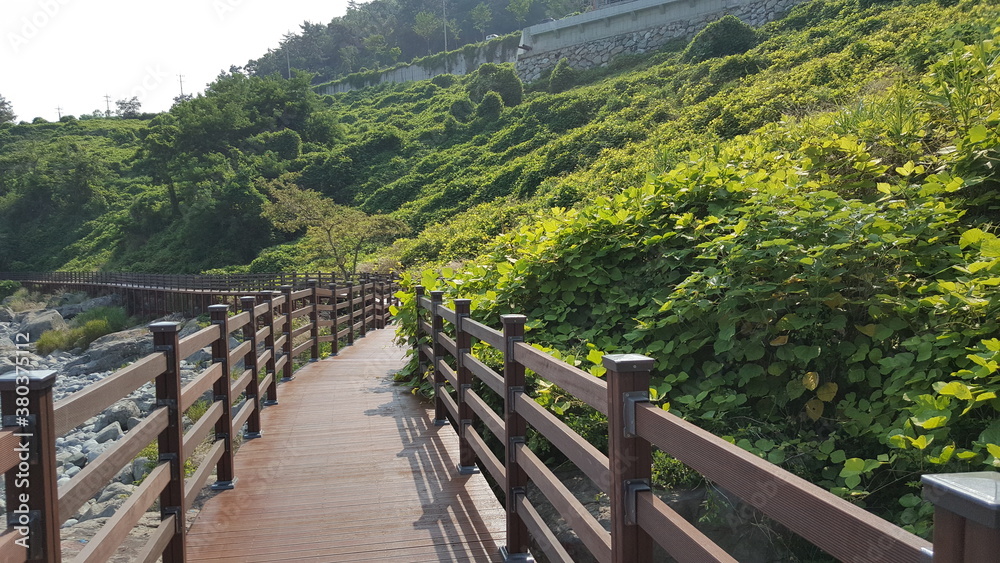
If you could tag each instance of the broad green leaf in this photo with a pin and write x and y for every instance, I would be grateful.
(814, 409)
(827, 392)
(810, 381)
(957, 389)
(978, 133)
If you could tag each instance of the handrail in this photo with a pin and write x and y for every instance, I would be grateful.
(264, 315)
(634, 425)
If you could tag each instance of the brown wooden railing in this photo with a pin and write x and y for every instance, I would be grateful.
(275, 328)
(967, 518)
(162, 294)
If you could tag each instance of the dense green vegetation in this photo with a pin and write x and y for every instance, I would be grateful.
(795, 221)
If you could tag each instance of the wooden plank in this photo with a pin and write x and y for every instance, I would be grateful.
(574, 381)
(197, 386)
(280, 363)
(237, 322)
(104, 544)
(264, 358)
(10, 551)
(194, 484)
(678, 537)
(582, 453)
(484, 333)
(263, 333)
(239, 352)
(265, 383)
(425, 328)
(242, 416)
(158, 541)
(241, 383)
(302, 348)
(302, 293)
(446, 314)
(592, 534)
(448, 343)
(8, 455)
(82, 405)
(301, 330)
(260, 309)
(449, 374)
(279, 342)
(424, 303)
(99, 472)
(199, 430)
(838, 527)
(451, 405)
(301, 312)
(491, 378)
(204, 337)
(485, 412)
(306, 485)
(540, 532)
(484, 455)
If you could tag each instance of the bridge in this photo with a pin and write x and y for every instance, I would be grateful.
(339, 464)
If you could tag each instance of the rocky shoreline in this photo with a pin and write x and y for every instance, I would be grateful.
(76, 370)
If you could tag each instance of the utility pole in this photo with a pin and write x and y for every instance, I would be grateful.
(288, 61)
(107, 100)
(59, 112)
(181, 78)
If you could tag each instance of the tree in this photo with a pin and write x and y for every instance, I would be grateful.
(338, 231)
(6, 111)
(520, 9)
(128, 109)
(481, 17)
(426, 25)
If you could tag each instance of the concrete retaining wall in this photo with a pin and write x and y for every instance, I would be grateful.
(592, 39)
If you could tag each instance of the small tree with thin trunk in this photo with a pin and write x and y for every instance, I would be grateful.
(6, 111)
(336, 232)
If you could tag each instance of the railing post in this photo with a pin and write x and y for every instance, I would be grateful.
(221, 392)
(437, 325)
(31, 490)
(380, 304)
(269, 367)
(364, 305)
(422, 358)
(516, 428)
(314, 320)
(334, 316)
(350, 313)
(250, 362)
(966, 515)
(171, 440)
(630, 457)
(463, 341)
(286, 371)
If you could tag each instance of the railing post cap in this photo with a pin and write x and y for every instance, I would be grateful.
(513, 319)
(248, 297)
(166, 326)
(37, 379)
(285, 288)
(437, 295)
(974, 496)
(463, 301)
(312, 283)
(627, 363)
(218, 308)
(419, 289)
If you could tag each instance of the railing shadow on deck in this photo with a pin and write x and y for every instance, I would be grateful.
(432, 468)
(274, 329)
(967, 515)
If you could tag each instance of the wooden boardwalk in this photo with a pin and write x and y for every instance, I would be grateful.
(350, 468)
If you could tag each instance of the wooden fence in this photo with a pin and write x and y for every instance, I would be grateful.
(274, 329)
(967, 517)
(162, 294)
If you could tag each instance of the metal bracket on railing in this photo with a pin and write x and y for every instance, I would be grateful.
(632, 398)
(632, 489)
(163, 348)
(171, 405)
(462, 390)
(175, 466)
(219, 321)
(511, 395)
(512, 449)
(218, 360)
(512, 498)
(926, 555)
(26, 422)
(460, 357)
(32, 522)
(179, 522)
(511, 340)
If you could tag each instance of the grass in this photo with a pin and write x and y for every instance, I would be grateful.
(85, 328)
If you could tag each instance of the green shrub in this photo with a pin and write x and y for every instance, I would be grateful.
(725, 36)
(563, 77)
(490, 107)
(116, 317)
(52, 340)
(501, 79)
(8, 287)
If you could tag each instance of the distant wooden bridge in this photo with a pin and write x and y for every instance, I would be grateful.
(349, 467)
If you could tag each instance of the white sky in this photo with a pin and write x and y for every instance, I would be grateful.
(70, 53)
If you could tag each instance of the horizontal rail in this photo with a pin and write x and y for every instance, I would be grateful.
(196, 482)
(237, 322)
(240, 419)
(199, 430)
(829, 522)
(573, 380)
(204, 337)
(539, 529)
(8, 448)
(199, 385)
(491, 419)
(241, 383)
(483, 372)
(158, 541)
(452, 406)
(449, 374)
(446, 314)
(79, 407)
(485, 456)
(678, 537)
(484, 333)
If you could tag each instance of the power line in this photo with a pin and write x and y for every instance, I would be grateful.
(107, 100)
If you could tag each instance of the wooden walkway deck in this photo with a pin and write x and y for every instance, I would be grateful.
(350, 468)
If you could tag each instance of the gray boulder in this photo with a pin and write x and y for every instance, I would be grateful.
(113, 351)
(37, 322)
(109, 433)
(6, 315)
(70, 311)
(7, 345)
(119, 413)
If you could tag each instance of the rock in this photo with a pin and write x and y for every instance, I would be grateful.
(114, 490)
(109, 433)
(140, 467)
(70, 311)
(95, 451)
(71, 522)
(119, 413)
(37, 322)
(113, 351)
(6, 315)
(133, 421)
